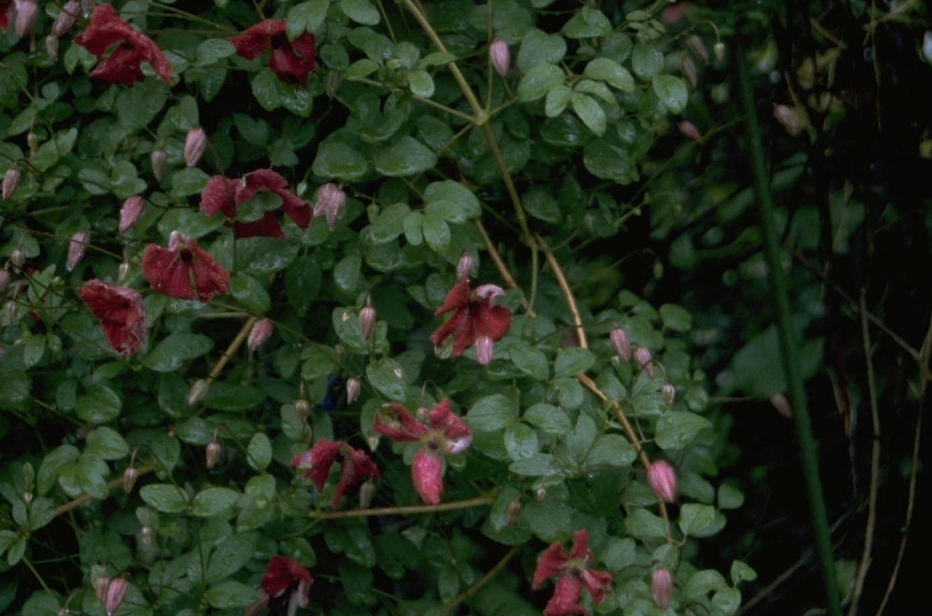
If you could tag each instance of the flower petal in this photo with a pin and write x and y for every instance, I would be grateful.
(395, 422)
(549, 564)
(565, 599)
(427, 476)
(121, 313)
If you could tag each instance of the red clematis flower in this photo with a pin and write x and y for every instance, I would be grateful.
(121, 314)
(291, 61)
(356, 466)
(6, 11)
(225, 195)
(285, 583)
(443, 434)
(475, 320)
(574, 573)
(123, 64)
(184, 270)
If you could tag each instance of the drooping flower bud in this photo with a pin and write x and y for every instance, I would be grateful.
(793, 119)
(781, 404)
(197, 392)
(367, 318)
(145, 536)
(696, 46)
(261, 330)
(66, 18)
(512, 512)
(643, 358)
(662, 480)
(489, 292)
(541, 493)
(10, 310)
(334, 79)
(129, 478)
(484, 346)
(4, 279)
(719, 50)
(689, 130)
(10, 182)
(668, 392)
(500, 56)
(76, 248)
(331, 201)
(51, 47)
(26, 11)
(661, 587)
(18, 258)
(366, 492)
(373, 442)
(212, 455)
(194, 145)
(101, 582)
(158, 159)
(27, 497)
(353, 387)
(620, 342)
(464, 266)
(302, 408)
(131, 212)
(116, 590)
(32, 140)
(123, 271)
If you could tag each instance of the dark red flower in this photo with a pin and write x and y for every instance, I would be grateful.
(355, 468)
(286, 583)
(6, 10)
(474, 317)
(123, 64)
(444, 433)
(290, 60)
(574, 573)
(184, 270)
(225, 195)
(121, 314)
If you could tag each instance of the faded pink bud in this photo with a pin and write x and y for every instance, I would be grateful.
(302, 408)
(366, 492)
(26, 11)
(17, 258)
(484, 346)
(331, 201)
(643, 358)
(129, 478)
(781, 404)
(500, 56)
(695, 45)
(66, 18)
(620, 342)
(489, 292)
(661, 587)
(116, 590)
(464, 266)
(76, 248)
(689, 130)
(100, 587)
(145, 536)
(212, 455)
(662, 480)
(51, 47)
(123, 271)
(158, 159)
(719, 50)
(373, 442)
(793, 119)
(4, 279)
(353, 387)
(260, 332)
(512, 512)
(131, 212)
(197, 392)
(194, 145)
(541, 493)
(367, 321)
(668, 392)
(32, 140)
(27, 497)
(10, 182)
(11, 309)
(688, 68)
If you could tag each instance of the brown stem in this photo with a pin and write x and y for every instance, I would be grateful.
(80, 500)
(479, 501)
(231, 349)
(485, 579)
(567, 292)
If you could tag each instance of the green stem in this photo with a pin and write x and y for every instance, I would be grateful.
(780, 294)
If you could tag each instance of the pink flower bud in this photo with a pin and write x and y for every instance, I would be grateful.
(116, 590)
(620, 341)
(643, 358)
(51, 47)
(131, 212)
(353, 386)
(194, 145)
(662, 480)
(512, 512)
(197, 392)
(484, 345)
(500, 56)
(17, 258)
(489, 292)
(26, 11)
(661, 587)
(302, 408)
(331, 201)
(695, 45)
(688, 68)
(76, 247)
(129, 478)
(367, 321)
(100, 587)
(260, 332)
(719, 50)
(66, 18)
(464, 266)
(668, 392)
(689, 130)
(10, 182)
(212, 455)
(781, 404)
(158, 159)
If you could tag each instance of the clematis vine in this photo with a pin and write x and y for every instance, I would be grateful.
(123, 65)
(225, 195)
(475, 320)
(443, 434)
(184, 270)
(285, 584)
(121, 313)
(574, 574)
(291, 61)
(316, 462)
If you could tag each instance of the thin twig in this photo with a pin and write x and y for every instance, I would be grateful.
(479, 501)
(567, 292)
(231, 349)
(485, 579)
(501, 267)
(80, 500)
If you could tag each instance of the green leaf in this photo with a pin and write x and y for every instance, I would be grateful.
(589, 111)
(702, 583)
(448, 191)
(588, 23)
(41, 512)
(695, 517)
(213, 501)
(15, 390)
(492, 413)
(265, 89)
(213, 49)
(53, 462)
(306, 16)
(405, 157)
(387, 377)
(347, 274)
(106, 443)
(250, 293)
(539, 465)
(612, 450)
(320, 361)
(729, 497)
(520, 441)
(360, 11)
(164, 497)
(572, 361)
(436, 233)
(612, 73)
(726, 601)
(389, 224)
(671, 91)
(98, 405)
(230, 594)
(676, 429)
(676, 318)
(302, 283)
(538, 47)
(557, 100)
(541, 205)
(52, 150)
(642, 524)
(538, 81)
(175, 350)
(233, 396)
(646, 61)
(548, 519)
(421, 84)
(340, 161)
(259, 451)
(549, 418)
(230, 556)
(741, 572)
(529, 360)
(361, 68)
